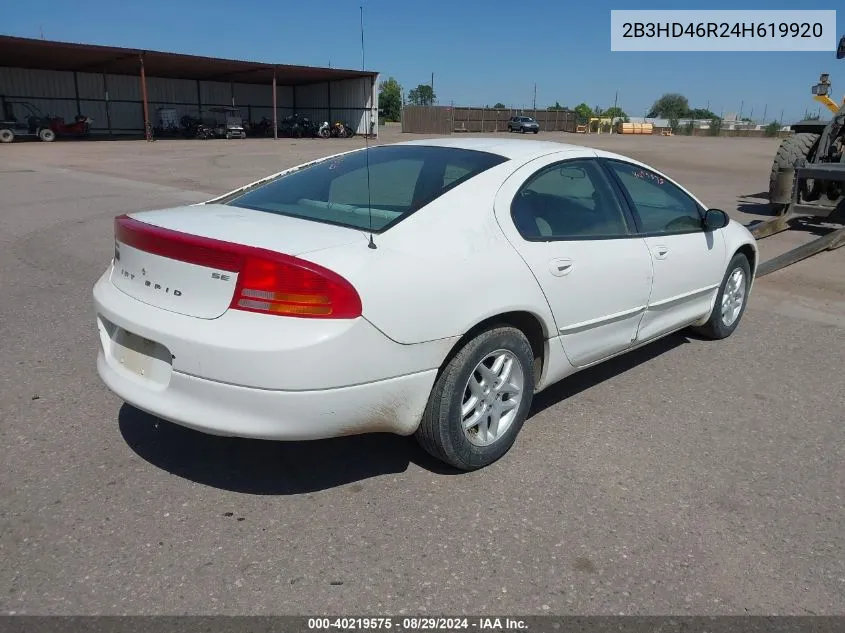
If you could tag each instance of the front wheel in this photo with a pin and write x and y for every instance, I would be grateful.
(47, 135)
(480, 400)
(731, 300)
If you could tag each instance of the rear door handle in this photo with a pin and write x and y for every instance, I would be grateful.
(561, 266)
(660, 252)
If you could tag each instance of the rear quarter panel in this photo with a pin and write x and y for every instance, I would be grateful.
(443, 269)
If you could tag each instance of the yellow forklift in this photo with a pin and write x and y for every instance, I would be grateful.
(807, 181)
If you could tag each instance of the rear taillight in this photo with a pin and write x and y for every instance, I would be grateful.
(280, 284)
(268, 282)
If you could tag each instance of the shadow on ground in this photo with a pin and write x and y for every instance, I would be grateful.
(288, 468)
(588, 378)
(755, 204)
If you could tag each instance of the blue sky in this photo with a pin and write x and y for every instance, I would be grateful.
(479, 55)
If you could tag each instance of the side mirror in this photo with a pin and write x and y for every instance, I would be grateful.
(715, 219)
(840, 52)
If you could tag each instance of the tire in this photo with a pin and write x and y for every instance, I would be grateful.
(716, 328)
(536, 131)
(441, 432)
(6, 135)
(795, 147)
(47, 135)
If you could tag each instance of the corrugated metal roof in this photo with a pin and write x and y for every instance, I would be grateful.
(20, 52)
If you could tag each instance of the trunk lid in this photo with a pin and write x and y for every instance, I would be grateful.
(186, 274)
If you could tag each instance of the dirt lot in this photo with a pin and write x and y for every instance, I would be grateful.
(688, 477)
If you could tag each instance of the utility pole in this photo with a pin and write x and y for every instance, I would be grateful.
(615, 101)
(432, 88)
(741, 104)
(781, 118)
(765, 109)
(535, 97)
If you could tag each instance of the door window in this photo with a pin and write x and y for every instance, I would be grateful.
(568, 200)
(663, 208)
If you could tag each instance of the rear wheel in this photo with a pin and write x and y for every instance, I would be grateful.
(731, 300)
(793, 148)
(480, 400)
(47, 135)
(6, 135)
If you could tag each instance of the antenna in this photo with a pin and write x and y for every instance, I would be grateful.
(372, 244)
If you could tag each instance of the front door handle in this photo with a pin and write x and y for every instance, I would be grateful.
(660, 252)
(561, 266)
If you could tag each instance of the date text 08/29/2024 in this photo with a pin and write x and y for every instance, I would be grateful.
(417, 623)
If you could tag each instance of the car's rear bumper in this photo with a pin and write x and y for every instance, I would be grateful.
(262, 376)
(390, 406)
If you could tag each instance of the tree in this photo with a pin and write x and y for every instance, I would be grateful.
(583, 111)
(701, 113)
(670, 106)
(500, 106)
(557, 106)
(615, 112)
(773, 128)
(390, 99)
(715, 127)
(422, 95)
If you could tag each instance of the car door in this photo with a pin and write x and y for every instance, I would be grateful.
(688, 260)
(572, 230)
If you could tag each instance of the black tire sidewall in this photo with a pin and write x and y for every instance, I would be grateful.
(457, 445)
(717, 325)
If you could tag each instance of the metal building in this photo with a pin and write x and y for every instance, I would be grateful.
(122, 89)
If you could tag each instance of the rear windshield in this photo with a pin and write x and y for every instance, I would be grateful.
(401, 180)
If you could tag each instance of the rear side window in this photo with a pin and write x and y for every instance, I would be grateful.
(341, 190)
(570, 200)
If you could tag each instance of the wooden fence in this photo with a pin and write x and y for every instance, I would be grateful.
(446, 119)
(426, 120)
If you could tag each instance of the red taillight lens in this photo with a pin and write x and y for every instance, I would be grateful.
(288, 285)
(268, 282)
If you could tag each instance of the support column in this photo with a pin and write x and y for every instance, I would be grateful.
(148, 132)
(199, 100)
(76, 91)
(108, 107)
(275, 111)
(329, 91)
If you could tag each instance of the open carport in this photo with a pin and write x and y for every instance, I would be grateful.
(122, 89)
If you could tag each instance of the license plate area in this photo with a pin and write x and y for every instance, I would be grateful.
(141, 357)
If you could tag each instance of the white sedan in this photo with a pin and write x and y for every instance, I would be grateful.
(428, 288)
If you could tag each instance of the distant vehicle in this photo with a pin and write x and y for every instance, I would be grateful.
(320, 302)
(33, 122)
(230, 123)
(523, 124)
